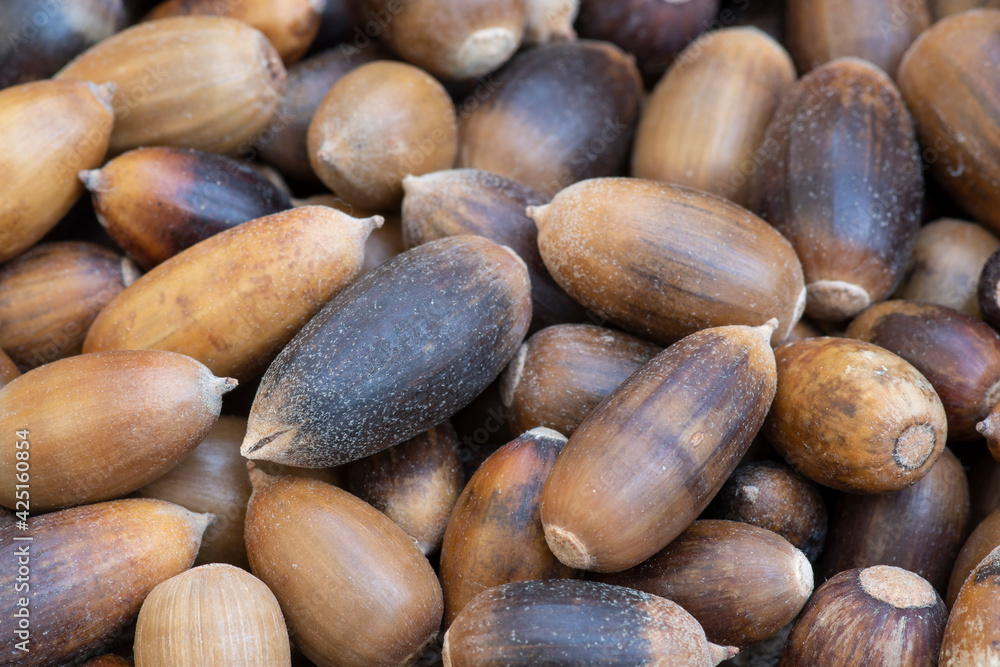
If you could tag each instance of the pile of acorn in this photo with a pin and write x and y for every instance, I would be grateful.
(527, 367)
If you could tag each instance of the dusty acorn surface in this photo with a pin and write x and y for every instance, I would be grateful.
(363, 333)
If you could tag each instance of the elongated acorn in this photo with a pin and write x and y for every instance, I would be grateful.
(984, 539)
(972, 633)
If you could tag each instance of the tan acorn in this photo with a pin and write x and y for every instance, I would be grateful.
(973, 633)
(143, 411)
(90, 569)
(194, 81)
(984, 539)
(40, 165)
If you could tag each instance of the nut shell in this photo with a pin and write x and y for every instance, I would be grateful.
(972, 633)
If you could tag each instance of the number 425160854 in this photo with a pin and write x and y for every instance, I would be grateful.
(22, 474)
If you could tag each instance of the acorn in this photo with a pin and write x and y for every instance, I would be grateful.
(50, 295)
(868, 530)
(278, 272)
(415, 483)
(840, 177)
(8, 369)
(401, 349)
(663, 262)
(383, 242)
(213, 614)
(142, 412)
(377, 124)
(469, 201)
(562, 372)
(740, 582)
(41, 38)
(984, 539)
(353, 587)
(40, 187)
(566, 622)
(284, 146)
(90, 568)
(946, 262)
(706, 118)
(773, 496)
(946, 78)
(878, 31)
(495, 533)
(549, 20)
(200, 82)
(646, 462)
(652, 30)
(878, 616)
(854, 416)
(157, 201)
(451, 39)
(556, 114)
(290, 25)
(973, 634)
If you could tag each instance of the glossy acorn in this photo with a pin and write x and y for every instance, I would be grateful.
(663, 262)
(90, 569)
(646, 462)
(158, 201)
(494, 535)
(353, 587)
(556, 114)
(401, 349)
(840, 176)
(984, 539)
(51, 294)
(972, 632)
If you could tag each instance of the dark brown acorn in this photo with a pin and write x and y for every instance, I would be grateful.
(854, 416)
(561, 373)
(566, 622)
(840, 177)
(984, 539)
(157, 201)
(740, 582)
(877, 617)
(495, 535)
(972, 635)
(400, 350)
(883, 529)
(452, 202)
(415, 483)
(646, 462)
(988, 291)
(773, 496)
(556, 114)
(956, 352)
(663, 261)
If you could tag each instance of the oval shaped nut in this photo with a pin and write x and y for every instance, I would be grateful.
(947, 259)
(353, 586)
(663, 262)
(103, 425)
(562, 372)
(452, 39)
(773, 496)
(881, 529)
(51, 294)
(290, 25)
(555, 115)
(957, 353)
(200, 82)
(565, 622)
(549, 20)
(740, 582)
(984, 539)
(452, 202)
(415, 483)
(878, 31)
(946, 78)
(376, 125)
(495, 532)
(157, 201)
(706, 118)
(39, 186)
(234, 300)
(401, 349)
(854, 416)
(841, 178)
(91, 568)
(972, 633)
(646, 462)
(881, 615)
(213, 614)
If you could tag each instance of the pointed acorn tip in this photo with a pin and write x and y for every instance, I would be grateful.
(721, 653)
(91, 178)
(537, 213)
(768, 328)
(226, 385)
(372, 223)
